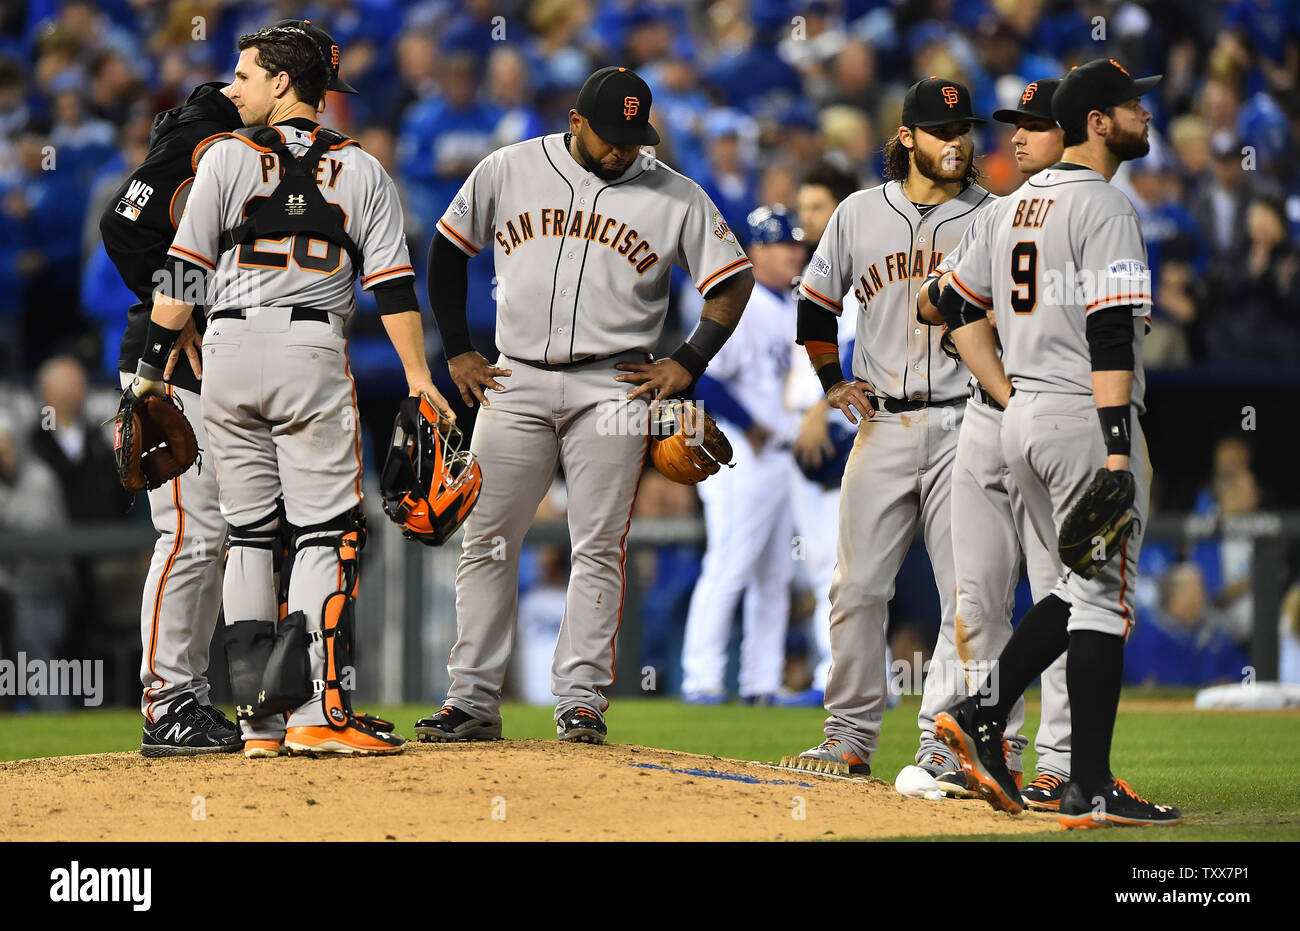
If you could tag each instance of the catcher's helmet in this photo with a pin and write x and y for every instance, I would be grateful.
(430, 482)
(768, 225)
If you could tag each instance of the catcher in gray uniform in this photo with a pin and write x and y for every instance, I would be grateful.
(1067, 274)
(987, 510)
(881, 244)
(282, 217)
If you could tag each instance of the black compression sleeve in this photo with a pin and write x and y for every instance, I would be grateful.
(396, 297)
(957, 311)
(815, 323)
(448, 291)
(1110, 339)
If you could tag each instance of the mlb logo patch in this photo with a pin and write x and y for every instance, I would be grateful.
(127, 209)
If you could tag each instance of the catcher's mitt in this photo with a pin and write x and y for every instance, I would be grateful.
(1098, 523)
(153, 441)
(687, 445)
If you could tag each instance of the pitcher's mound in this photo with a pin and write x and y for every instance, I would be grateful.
(524, 790)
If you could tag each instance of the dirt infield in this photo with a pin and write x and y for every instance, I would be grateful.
(521, 790)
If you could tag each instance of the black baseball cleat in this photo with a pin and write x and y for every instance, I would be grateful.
(581, 725)
(449, 725)
(1044, 793)
(1116, 805)
(218, 718)
(981, 752)
(188, 729)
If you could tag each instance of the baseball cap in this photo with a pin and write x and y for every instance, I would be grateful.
(616, 102)
(936, 101)
(770, 225)
(329, 50)
(1099, 84)
(1035, 103)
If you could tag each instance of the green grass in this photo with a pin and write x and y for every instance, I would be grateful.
(1231, 773)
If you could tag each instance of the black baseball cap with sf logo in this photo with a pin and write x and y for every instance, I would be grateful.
(329, 50)
(1101, 83)
(936, 101)
(616, 102)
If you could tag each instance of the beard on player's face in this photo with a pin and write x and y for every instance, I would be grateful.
(593, 164)
(1127, 145)
(948, 166)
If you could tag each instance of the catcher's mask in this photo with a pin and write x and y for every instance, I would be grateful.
(430, 482)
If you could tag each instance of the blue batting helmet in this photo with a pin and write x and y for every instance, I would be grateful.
(768, 225)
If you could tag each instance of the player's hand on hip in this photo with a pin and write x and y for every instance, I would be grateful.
(472, 373)
(813, 444)
(849, 396)
(189, 342)
(660, 379)
(424, 386)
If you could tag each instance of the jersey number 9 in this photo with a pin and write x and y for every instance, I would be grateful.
(312, 255)
(1024, 272)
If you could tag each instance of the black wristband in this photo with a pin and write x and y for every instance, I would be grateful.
(830, 375)
(935, 292)
(158, 343)
(1115, 429)
(690, 358)
(708, 338)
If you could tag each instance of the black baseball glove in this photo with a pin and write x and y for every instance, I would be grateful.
(1098, 523)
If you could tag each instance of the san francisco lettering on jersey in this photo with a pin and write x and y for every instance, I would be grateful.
(592, 227)
(897, 268)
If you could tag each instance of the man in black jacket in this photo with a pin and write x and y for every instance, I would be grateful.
(182, 594)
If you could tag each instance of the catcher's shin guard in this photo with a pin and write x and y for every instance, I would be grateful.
(347, 536)
(251, 642)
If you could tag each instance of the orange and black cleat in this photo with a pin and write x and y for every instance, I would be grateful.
(1114, 806)
(978, 745)
(358, 737)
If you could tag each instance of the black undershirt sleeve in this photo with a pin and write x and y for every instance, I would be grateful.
(396, 297)
(1110, 339)
(957, 311)
(448, 291)
(815, 323)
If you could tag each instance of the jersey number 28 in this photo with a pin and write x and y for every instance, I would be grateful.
(313, 255)
(1024, 272)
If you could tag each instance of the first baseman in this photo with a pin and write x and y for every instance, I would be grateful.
(584, 227)
(282, 218)
(987, 508)
(881, 244)
(1066, 273)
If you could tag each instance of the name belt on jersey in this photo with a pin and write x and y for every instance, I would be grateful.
(593, 227)
(296, 205)
(897, 268)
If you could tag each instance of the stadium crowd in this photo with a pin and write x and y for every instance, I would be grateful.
(748, 95)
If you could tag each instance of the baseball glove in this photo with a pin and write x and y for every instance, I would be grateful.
(153, 441)
(686, 444)
(1099, 523)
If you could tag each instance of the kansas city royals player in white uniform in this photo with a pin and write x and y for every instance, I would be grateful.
(881, 244)
(749, 515)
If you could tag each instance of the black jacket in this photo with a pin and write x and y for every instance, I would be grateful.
(141, 218)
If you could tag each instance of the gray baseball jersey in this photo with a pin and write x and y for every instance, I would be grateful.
(1065, 244)
(878, 245)
(899, 475)
(582, 264)
(232, 172)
